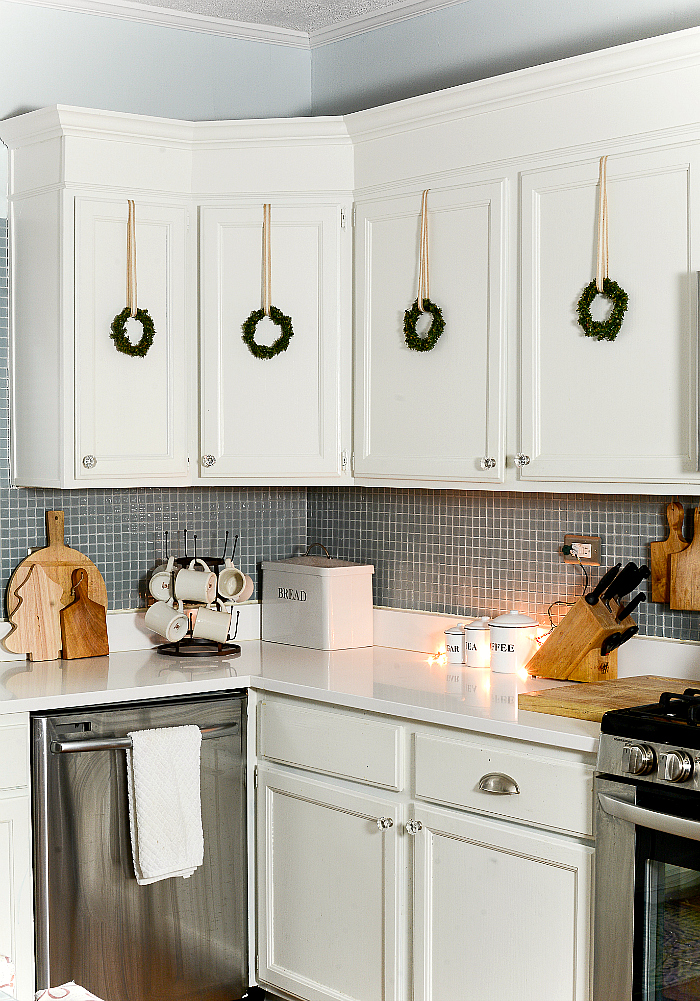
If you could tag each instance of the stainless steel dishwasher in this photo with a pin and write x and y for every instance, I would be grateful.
(178, 938)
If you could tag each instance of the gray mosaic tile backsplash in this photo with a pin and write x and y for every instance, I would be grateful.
(461, 553)
(482, 553)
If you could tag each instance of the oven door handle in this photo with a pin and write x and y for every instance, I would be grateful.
(642, 817)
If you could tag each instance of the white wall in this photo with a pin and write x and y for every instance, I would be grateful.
(477, 39)
(52, 56)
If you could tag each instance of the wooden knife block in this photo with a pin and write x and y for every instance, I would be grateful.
(572, 651)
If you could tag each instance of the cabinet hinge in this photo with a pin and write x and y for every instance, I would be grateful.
(352, 464)
(344, 460)
(342, 218)
(354, 215)
(255, 777)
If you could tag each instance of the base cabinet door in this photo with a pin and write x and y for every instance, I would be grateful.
(329, 896)
(501, 913)
(16, 893)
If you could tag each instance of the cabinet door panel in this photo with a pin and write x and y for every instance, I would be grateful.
(328, 891)
(16, 888)
(278, 417)
(131, 412)
(431, 415)
(500, 913)
(611, 411)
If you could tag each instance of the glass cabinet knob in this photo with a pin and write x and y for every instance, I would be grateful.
(208, 461)
(414, 826)
(384, 823)
(89, 461)
(488, 463)
(522, 460)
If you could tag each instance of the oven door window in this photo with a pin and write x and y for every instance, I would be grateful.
(667, 905)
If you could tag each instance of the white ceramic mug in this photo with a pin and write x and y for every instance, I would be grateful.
(196, 585)
(232, 581)
(247, 590)
(212, 624)
(161, 580)
(164, 618)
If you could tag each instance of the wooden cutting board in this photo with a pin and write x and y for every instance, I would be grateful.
(58, 562)
(35, 622)
(685, 572)
(591, 701)
(83, 623)
(662, 551)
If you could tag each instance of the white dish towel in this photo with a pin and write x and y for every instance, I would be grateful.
(165, 808)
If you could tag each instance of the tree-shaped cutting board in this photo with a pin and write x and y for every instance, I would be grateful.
(35, 622)
(58, 561)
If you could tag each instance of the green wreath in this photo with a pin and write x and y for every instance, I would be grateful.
(414, 340)
(281, 344)
(122, 342)
(602, 330)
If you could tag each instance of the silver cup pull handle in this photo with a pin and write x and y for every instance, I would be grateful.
(498, 784)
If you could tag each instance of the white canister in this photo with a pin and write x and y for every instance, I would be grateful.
(477, 642)
(513, 641)
(454, 644)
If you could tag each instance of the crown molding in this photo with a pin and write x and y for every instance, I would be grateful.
(62, 120)
(660, 54)
(170, 18)
(394, 14)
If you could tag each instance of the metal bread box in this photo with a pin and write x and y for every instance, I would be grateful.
(317, 602)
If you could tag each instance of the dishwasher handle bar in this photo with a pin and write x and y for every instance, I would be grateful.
(119, 743)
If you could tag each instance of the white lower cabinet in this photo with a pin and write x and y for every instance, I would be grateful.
(500, 913)
(433, 903)
(16, 881)
(330, 890)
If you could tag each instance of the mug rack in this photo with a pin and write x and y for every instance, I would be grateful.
(189, 645)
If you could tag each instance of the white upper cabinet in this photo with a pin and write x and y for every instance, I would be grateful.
(625, 410)
(431, 415)
(288, 416)
(130, 412)
(512, 168)
(512, 396)
(85, 414)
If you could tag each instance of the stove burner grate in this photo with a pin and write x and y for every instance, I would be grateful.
(685, 707)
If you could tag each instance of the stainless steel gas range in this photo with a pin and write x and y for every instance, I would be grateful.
(647, 892)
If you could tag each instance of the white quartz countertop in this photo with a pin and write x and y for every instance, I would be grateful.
(377, 679)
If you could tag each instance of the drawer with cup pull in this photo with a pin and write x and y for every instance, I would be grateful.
(497, 778)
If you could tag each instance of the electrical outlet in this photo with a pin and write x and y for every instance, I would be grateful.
(587, 547)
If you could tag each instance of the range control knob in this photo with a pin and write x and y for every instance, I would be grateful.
(641, 759)
(678, 766)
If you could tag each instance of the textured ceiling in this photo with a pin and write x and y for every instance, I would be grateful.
(302, 15)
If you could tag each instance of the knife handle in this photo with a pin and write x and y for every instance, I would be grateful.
(605, 581)
(625, 610)
(609, 643)
(620, 585)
